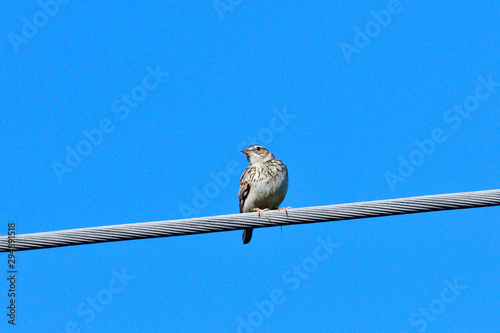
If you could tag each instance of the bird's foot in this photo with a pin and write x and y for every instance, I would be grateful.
(261, 211)
(285, 209)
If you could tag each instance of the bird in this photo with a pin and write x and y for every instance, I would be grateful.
(263, 184)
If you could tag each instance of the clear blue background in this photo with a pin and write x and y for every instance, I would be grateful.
(352, 120)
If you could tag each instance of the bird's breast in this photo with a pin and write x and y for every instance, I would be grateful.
(268, 189)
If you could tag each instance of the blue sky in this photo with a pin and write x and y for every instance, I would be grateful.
(120, 112)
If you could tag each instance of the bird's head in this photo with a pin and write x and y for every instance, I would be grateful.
(257, 154)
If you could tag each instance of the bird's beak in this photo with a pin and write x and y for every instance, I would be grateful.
(244, 152)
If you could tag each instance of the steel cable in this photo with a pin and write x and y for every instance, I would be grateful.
(220, 223)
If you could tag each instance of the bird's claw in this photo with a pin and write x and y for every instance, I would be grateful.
(261, 211)
(285, 209)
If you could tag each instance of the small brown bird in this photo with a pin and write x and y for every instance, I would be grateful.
(263, 185)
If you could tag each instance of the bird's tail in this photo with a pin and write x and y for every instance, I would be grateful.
(247, 235)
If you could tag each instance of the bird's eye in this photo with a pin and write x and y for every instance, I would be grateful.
(258, 148)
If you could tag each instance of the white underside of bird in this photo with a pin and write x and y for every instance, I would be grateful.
(266, 192)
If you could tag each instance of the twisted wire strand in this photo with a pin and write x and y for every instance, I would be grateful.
(220, 223)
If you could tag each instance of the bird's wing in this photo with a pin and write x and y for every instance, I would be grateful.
(244, 187)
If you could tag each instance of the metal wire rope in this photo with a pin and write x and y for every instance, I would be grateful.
(220, 223)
